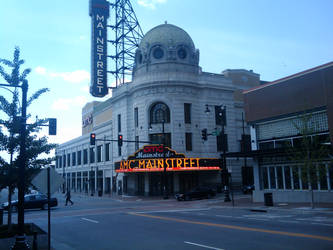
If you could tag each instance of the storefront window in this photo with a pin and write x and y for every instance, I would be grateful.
(287, 177)
(272, 177)
(265, 177)
(295, 170)
(304, 176)
(330, 171)
(323, 177)
(279, 177)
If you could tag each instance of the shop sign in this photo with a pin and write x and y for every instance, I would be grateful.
(99, 12)
(156, 158)
(87, 120)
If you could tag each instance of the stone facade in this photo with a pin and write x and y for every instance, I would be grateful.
(166, 72)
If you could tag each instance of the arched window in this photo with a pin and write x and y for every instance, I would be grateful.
(159, 113)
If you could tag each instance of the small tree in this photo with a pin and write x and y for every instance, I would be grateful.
(10, 139)
(309, 153)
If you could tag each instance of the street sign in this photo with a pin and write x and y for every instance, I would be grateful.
(40, 181)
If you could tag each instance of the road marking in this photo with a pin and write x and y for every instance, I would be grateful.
(322, 224)
(174, 210)
(94, 221)
(199, 245)
(224, 216)
(319, 237)
(288, 221)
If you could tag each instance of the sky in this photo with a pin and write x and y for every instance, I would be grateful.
(274, 38)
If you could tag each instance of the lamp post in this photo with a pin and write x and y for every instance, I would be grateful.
(221, 112)
(165, 182)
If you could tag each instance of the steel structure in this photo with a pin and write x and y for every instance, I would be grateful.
(125, 37)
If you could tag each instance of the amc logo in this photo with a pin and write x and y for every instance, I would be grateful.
(153, 149)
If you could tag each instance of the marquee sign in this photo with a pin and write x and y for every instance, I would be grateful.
(99, 12)
(154, 158)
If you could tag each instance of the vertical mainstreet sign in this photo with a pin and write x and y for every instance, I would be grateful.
(99, 12)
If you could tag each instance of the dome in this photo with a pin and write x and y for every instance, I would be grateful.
(166, 47)
(167, 34)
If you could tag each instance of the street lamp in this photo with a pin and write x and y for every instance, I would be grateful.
(221, 113)
(165, 181)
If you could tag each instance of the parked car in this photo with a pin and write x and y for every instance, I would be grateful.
(196, 193)
(33, 201)
(247, 189)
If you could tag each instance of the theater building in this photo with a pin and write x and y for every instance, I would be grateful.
(161, 114)
(277, 112)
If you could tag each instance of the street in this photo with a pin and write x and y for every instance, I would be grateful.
(107, 223)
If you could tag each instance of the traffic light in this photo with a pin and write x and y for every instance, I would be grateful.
(120, 140)
(52, 126)
(204, 134)
(92, 139)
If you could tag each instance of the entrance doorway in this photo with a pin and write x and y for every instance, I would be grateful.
(188, 181)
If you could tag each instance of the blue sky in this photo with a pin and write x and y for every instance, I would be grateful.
(273, 38)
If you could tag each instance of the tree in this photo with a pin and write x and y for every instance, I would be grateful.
(310, 152)
(9, 137)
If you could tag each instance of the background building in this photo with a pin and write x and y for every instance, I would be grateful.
(275, 112)
(169, 101)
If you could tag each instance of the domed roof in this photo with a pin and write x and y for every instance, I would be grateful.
(166, 48)
(166, 34)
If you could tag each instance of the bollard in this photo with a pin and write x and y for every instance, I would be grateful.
(34, 242)
(1, 216)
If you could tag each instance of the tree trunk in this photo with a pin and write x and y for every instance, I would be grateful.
(9, 219)
(312, 198)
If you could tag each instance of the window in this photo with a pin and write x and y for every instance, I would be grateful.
(73, 158)
(68, 160)
(158, 53)
(64, 160)
(266, 145)
(188, 139)
(272, 177)
(85, 156)
(159, 113)
(181, 53)
(187, 113)
(265, 177)
(287, 177)
(222, 142)
(99, 153)
(161, 139)
(136, 117)
(136, 143)
(295, 171)
(119, 123)
(79, 156)
(323, 177)
(92, 155)
(107, 152)
(279, 177)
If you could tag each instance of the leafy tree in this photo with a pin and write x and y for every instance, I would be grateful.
(9, 137)
(310, 153)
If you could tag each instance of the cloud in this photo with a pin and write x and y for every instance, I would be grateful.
(66, 104)
(76, 76)
(40, 70)
(151, 3)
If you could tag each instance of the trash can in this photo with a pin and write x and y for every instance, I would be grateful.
(1, 216)
(268, 199)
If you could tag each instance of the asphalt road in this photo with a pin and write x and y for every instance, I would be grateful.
(93, 223)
